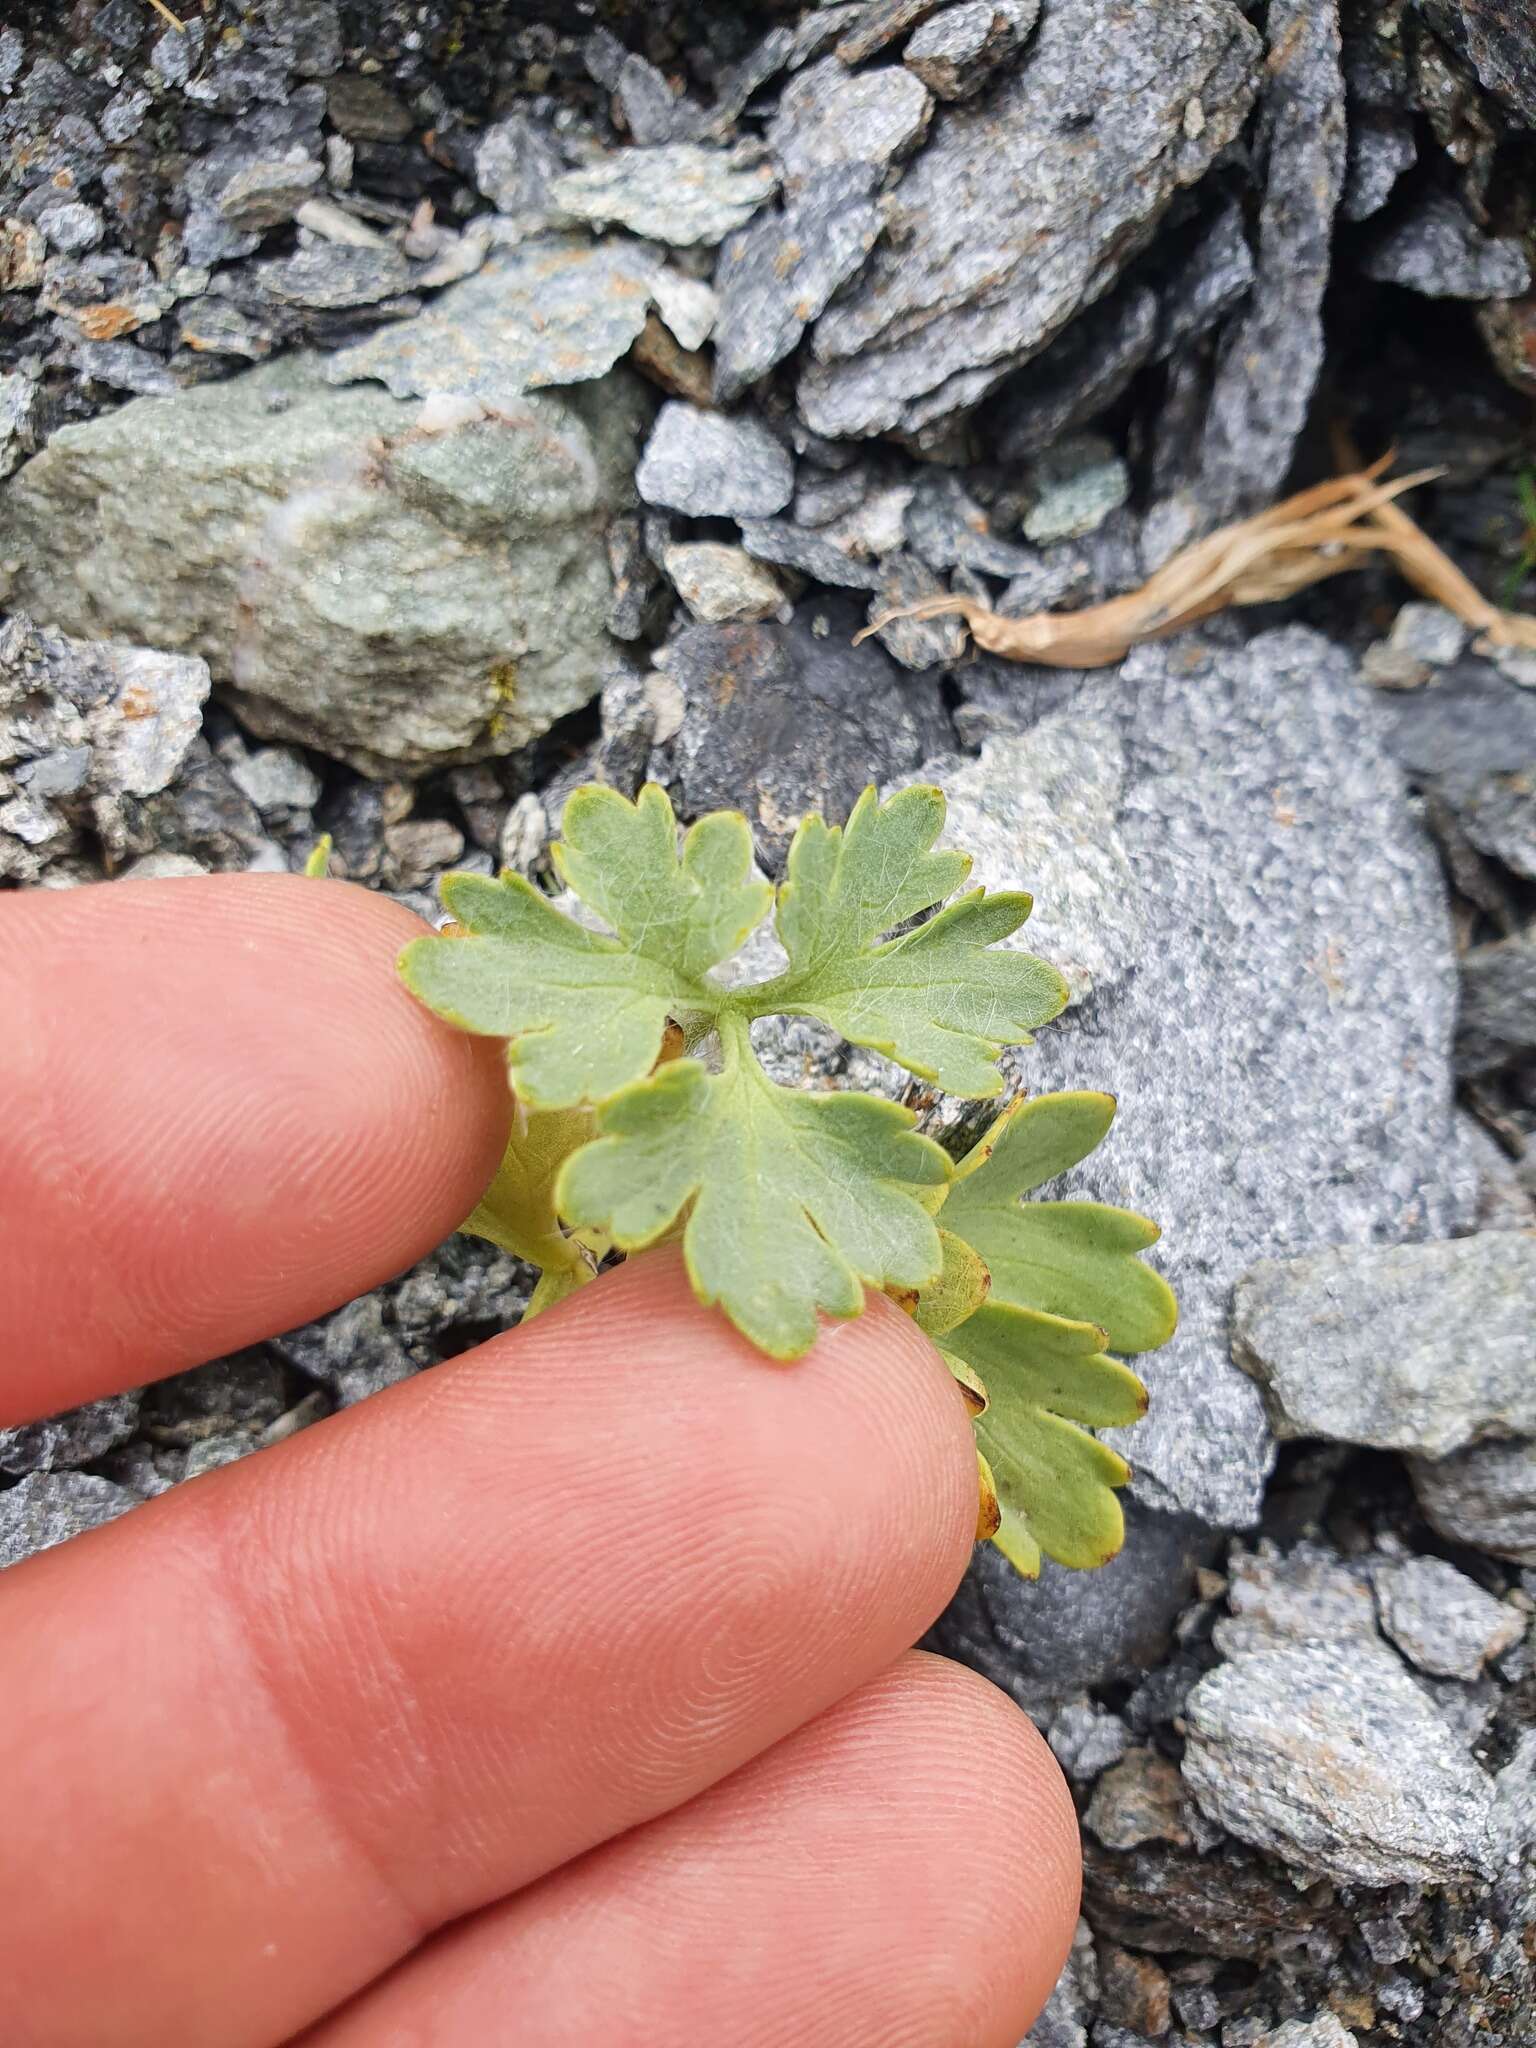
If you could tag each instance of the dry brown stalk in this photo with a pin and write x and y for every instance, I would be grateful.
(174, 19)
(1319, 532)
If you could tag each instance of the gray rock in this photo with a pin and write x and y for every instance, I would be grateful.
(1214, 278)
(1038, 813)
(1323, 2030)
(1081, 374)
(264, 194)
(71, 227)
(1280, 1052)
(915, 643)
(18, 418)
(1309, 1596)
(719, 583)
(779, 274)
(243, 1393)
(517, 160)
(811, 552)
(63, 1442)
(681, 193)
(49, 1507)
(275, 779)
(1502, 48)
(946, 528)
(1435, 247)
(958, 50)
(1140, 1799)
(1076, 485)
(1498, 1006)
(1470, 739)
(830, 117)
(1006, 226)
(1382, 145)
(466, 548)
(1417, 1347)
(1484, 1496)
(1332, 1759)
(709, 465)
(1441, 1620)
(332, 275)
(1268, 362)
(878, 23)
(1086, 1739)
(781, 720)
(652, 111)
(554, 311)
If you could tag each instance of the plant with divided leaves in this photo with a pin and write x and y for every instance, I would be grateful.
(643, 1114)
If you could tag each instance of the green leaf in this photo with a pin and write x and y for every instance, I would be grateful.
(688, 913)
(1067, 1259)
(959, 1290)
(935, 997)
(318, 865)
(794, 1202)
(517, 1211)
(1055, 1483)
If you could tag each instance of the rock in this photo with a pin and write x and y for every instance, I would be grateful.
(517, 160)
(879, 23)
(79, 1437)
(1076, 483)
(1498, 1012)
(362, 106)
(1086, 1739)
(709, 465)
(1269, 358)
(393, 585)
(1140, 1799)
(1470, 739)
(915, 643)
(1418, 1347)
(782, 720)
(1323, 1114)
(1484, 1496)
(1382, 145)
(946, 528)
(652, 111)
(1134, 1993)
(331, 275)
(49, 1507)
(1310, 1596)
(720, 583)
(1324, 2030)
(779, 274)
(813, 553)
(265, 194)
(276, 779)
(1503, 49)
(554, 310)
(1222, 1902)
(1038, 813)
(830, 117)
(1331, 1758)
(1006, 226)
(243, 1393)
(18, 418)
(23, 253)
(1435, 247)
(71, 227)
(682, 193)
(958, 50)
(1441, 1620)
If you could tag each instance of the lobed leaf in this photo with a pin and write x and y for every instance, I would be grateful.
(936, 997)
(517, 1211)
(794, 1202)
(1068, 1259)
(1055, 1484)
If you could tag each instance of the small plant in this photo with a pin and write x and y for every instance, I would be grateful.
(643, 1114)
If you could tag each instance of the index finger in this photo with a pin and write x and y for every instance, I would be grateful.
(223, 1115)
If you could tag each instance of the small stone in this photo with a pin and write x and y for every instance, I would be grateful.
(1069, 2011)
(422, 848)
(1498, 1004)
(241, 1392)
(681, 193)
(363, 108)
(1452, 1351)
(880, 22)
(1438, 249)
(516, 162)
(809, 551)
(957, 51)
(1134, 1992)
(1140, 1799)
(652, 112)
(1382, 145)
(72, 227)
(1078, 483)
(78, 1437)
(718, 582)
(1326, 2030)
(164, 867)
(779, 274)
(23, 253)
(264, 195)
(50, 1507)
(276, 779)
(1330, 1757)
(1079, 376)
(1310, 1596)
(829, 116)
(1086, 1740)
(1484, 1496)
(915, 643)
(709, 465)
(19, 417)
(332, 275)
(1441, 1620)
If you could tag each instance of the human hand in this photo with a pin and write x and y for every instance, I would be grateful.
(560, 1695)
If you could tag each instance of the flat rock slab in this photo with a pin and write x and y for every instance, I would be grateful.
(679, 193)
(1332, 1758)
(711, 466)
(1026, 203)
(1417, 1347)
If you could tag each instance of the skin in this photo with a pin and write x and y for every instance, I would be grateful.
(562, 1694)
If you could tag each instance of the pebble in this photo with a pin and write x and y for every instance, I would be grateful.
(709, 465)
(830, 117)
(79, 1437)
(1484, 1496)
(1436, 248)
(957, 51)
(72, 227)
(1441, 1620)
(1077, 484)
(681, 193)
(718, 582)
(1140, 1799)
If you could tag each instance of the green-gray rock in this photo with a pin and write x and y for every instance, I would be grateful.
(396, 584)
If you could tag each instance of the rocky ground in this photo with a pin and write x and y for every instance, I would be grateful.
(410, 411)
